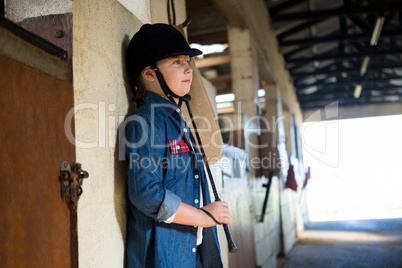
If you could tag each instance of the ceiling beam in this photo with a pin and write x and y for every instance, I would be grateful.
(283, 6)
(329, 66)
(345, 102)
(340, 11)
(346, 82)
(295, 51)
(346, 56)
(337, 38)
(300, 75)
(299, 28)
(324, 13)
(362, 24)
(212, 61)
(344, 94)
(349, 88)
(210, 38)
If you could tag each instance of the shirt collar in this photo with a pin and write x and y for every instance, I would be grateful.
(166, 107)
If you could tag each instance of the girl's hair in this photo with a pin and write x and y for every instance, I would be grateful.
(140, 92)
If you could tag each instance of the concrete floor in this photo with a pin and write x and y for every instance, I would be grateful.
(363, 243)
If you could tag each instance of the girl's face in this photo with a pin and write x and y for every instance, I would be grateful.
(177, 73)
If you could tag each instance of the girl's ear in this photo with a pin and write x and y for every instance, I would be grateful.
(148, 74)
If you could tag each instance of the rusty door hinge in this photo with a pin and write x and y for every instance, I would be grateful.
(71, 178)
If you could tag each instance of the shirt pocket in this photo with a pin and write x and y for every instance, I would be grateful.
(178, 161)
(178, 146)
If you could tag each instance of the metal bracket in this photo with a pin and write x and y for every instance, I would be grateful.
(71, 178)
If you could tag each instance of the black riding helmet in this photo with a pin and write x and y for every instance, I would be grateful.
(154, 42)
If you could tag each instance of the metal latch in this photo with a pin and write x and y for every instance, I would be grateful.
(71, 178)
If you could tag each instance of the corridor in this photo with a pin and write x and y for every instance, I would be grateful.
(355, 243)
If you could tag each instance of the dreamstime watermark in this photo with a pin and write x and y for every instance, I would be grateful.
(328, 150)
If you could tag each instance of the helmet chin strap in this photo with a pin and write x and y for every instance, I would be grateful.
(168, 92)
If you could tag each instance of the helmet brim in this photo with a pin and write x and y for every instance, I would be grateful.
(191, 52)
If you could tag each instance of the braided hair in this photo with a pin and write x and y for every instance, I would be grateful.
(139, 96)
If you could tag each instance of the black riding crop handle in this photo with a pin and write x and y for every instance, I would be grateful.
(231, 243)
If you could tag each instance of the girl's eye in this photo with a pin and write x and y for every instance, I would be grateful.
(179, 61)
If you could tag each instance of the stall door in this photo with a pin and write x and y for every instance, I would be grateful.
(35, 226)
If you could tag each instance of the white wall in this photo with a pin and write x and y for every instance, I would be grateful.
(101, 32)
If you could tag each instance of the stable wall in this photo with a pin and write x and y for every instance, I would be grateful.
(267, 233)
(267, 65)
(101, 31)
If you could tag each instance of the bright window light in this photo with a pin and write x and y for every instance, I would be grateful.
(261, 92)
(309, 90)
(225, 98)
(363, 182)
(391, 98)
(209, 49)
(396, 82)
(224, 105)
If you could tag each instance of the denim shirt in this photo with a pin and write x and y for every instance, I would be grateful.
(163, 170)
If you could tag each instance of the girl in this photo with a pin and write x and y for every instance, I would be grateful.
(170, 213)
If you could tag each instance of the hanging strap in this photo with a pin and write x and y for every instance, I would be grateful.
(231, 244)
(171, 12)
(211, 216)
(168, 92)
(187, 99)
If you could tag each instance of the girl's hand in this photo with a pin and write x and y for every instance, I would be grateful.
(189, 215)
(219, 210)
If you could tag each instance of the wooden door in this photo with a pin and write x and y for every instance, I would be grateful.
(36, 95)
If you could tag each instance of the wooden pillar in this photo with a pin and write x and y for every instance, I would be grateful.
(245, 83)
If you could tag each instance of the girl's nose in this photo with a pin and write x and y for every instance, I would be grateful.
(188, 68)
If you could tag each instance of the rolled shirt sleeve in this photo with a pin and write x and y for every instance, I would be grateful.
(169, 207)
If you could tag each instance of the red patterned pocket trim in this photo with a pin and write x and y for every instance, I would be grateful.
(178, 146)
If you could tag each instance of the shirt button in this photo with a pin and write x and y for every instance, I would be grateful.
(185, 130)
(196, 201)
(196, 176)
(194, 250)
(178, 110)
